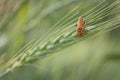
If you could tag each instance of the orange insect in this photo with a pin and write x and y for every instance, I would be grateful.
(80, 24)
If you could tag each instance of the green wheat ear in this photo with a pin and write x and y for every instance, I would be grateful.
(66, 39)
(65, 34)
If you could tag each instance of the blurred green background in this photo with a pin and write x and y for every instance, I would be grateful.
(21, 21)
